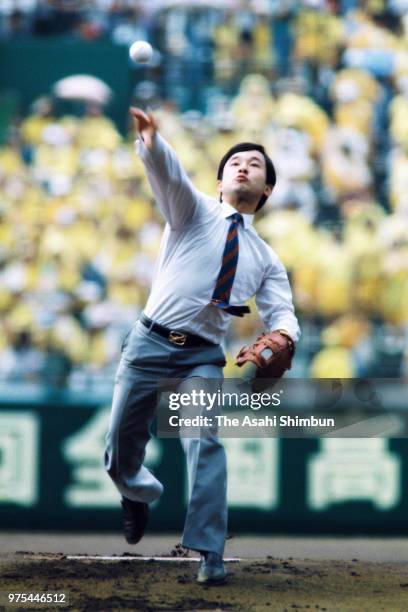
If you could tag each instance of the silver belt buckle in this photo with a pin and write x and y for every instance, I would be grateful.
(177, 338)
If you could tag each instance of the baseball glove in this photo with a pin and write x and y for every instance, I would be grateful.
(272, 355)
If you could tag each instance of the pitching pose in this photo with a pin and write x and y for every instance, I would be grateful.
(211, 262)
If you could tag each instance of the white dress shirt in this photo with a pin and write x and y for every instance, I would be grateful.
(191, 253)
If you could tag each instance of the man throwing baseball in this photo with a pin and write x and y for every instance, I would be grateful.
(211, 262)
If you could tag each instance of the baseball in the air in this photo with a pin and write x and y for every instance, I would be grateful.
(141, 52)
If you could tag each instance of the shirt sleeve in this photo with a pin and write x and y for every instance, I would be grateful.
(274, 301)
(175, 194)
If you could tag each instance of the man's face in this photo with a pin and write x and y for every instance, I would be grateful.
(244, 178)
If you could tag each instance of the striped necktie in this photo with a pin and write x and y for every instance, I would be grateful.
(225, 280)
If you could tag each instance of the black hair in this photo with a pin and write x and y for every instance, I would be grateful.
(250, 146)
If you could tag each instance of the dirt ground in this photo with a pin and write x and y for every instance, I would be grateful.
(253, 585)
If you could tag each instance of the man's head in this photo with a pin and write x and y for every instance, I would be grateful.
(246, 173)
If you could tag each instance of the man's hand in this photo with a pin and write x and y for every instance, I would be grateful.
(145, 124)
(272, 355)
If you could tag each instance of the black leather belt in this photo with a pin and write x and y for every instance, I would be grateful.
(179, 338)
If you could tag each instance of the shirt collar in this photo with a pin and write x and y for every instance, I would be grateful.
(227, 210)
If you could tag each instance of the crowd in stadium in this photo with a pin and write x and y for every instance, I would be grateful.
(323, 85)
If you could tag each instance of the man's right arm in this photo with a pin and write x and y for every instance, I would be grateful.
(175, 194)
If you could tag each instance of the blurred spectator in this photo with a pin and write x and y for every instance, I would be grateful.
(254, 92)
(56, 367)
(17, 25)
(125, 23)
(20, 360)
(282, 13)
(54, 19)
(319, 37)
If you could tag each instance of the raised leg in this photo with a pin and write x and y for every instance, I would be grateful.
(133, 409)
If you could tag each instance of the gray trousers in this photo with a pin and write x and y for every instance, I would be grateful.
(148, 358)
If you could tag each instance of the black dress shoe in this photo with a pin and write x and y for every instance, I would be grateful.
(211, 570)
(135, 517)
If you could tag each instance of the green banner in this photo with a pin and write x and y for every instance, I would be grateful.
(52, 475)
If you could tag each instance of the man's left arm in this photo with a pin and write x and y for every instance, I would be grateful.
(272, 352)
(275, 304)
